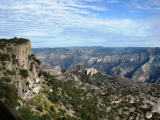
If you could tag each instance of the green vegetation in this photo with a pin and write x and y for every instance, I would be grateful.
(5, 57)
(32, 56)
(9, 92)
(40, 73)
(8, 72)
(63, 71)
(52, 109)
(13, 56)
(14, 60)
(13, 41)
(85, 108)
(62, 111)
(24, 73)
(27, 83)
(7, 79)
(40, 108)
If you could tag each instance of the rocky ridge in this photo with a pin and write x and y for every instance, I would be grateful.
(18, 60)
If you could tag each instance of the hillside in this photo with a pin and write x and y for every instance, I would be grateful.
(75, 94)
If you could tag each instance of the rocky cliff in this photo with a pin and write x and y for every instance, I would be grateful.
(18, 63)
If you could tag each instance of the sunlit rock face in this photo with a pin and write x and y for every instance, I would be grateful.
(22, 52)
(91, 71)
(20, 59)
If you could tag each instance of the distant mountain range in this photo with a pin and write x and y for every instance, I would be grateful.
(70, 56)
(143, 66)
(138, 63)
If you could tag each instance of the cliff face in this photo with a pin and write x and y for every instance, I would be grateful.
(18, 63)
(22, 53)
(144, 66)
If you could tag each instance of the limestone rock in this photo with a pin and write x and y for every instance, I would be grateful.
(20, 58)
(20, 102)
(148, 115)
(53, 72)
(92, 71)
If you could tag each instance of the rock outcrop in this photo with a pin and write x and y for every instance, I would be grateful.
(22, 65)
(91, 71)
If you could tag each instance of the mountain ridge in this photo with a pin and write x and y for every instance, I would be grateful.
(136, 66)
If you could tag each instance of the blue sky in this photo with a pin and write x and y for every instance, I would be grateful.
(61, 23)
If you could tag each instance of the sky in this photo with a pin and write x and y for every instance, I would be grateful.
(66, 23)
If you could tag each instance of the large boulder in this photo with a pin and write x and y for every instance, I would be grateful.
(91, 70)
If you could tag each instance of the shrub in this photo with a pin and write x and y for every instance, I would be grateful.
(7, 79)
(63, 71)
(47, 116)
(52, 109)
(34, 58)
(48, 75)
(38, 61)
(17, 41)
(8, 72)
(27, 83)
(62, 111)
(29, 57)
(24, 73)
(4, 57)
(2, 94)
(26, 114)
(13, 56)
(14, 61)
(51, 97)
(40, 108)
(10, 94)
(40, 73)
(54, 98)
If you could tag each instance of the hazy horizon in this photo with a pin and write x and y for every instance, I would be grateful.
(63, 23)
(86, 47)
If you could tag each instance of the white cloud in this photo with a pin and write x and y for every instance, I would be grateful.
(67, 22)
(113, 1)
(145, 4)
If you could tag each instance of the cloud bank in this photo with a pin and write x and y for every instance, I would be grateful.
(59, 23)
